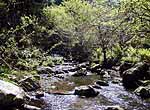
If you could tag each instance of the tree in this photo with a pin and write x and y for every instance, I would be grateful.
(137, 18)
(73, 18)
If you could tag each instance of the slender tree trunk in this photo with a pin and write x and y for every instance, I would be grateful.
(104, 57)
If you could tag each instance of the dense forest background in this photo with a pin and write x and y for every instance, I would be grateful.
(106, 31)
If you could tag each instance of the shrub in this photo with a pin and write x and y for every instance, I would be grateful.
(144, 54)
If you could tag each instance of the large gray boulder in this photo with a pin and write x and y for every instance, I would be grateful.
(86, 91)
(132, 76)
(11, 95)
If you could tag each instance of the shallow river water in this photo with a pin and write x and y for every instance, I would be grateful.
(114, 94)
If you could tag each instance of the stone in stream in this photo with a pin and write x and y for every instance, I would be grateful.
(96, 86)
(103, 72)
(45, 70)
(96, 69)
(39, 94)
(74, 69)
(84, 65)
(113, 73)
(125, 66)
(29, 84)
(86, 91)
(116, 80)
(35, 102)
(59, 71)
(81, 72)
(143, 92)
(30, 107)
(114, 108)
(101, 83)
(132, 76)
(60, 76)
(145, 82)
(11, 95)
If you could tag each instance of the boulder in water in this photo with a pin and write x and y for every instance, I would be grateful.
(103, 72)
(45, 70)
(81, 72)
(84, 65)
(96, 86)
(39, 94)
(96, 68)
(125, 66)
(74, 69)
(101, 83)
(116, 80)
(86, 91)
(132, 76)
(143, 92)
(29, 84)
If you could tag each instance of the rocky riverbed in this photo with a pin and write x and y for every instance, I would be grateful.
(59, 91)
(73, 86)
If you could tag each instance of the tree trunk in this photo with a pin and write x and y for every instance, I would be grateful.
(104, 63)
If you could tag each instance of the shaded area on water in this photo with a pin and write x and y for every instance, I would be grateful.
(114, 94)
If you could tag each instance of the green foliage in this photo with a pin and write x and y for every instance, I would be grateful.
(144, 54)
(136, 55)
(130, 59)
(137, 15)
(4, 73)
(70, 15)
(131, 55)
(74, 20)
(47, 61)
(4, 70)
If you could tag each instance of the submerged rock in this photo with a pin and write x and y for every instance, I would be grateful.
(86, 91)
(132, 76)
(11, 95)
(101, 83)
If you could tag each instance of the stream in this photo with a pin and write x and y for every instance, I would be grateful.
(114, 94)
